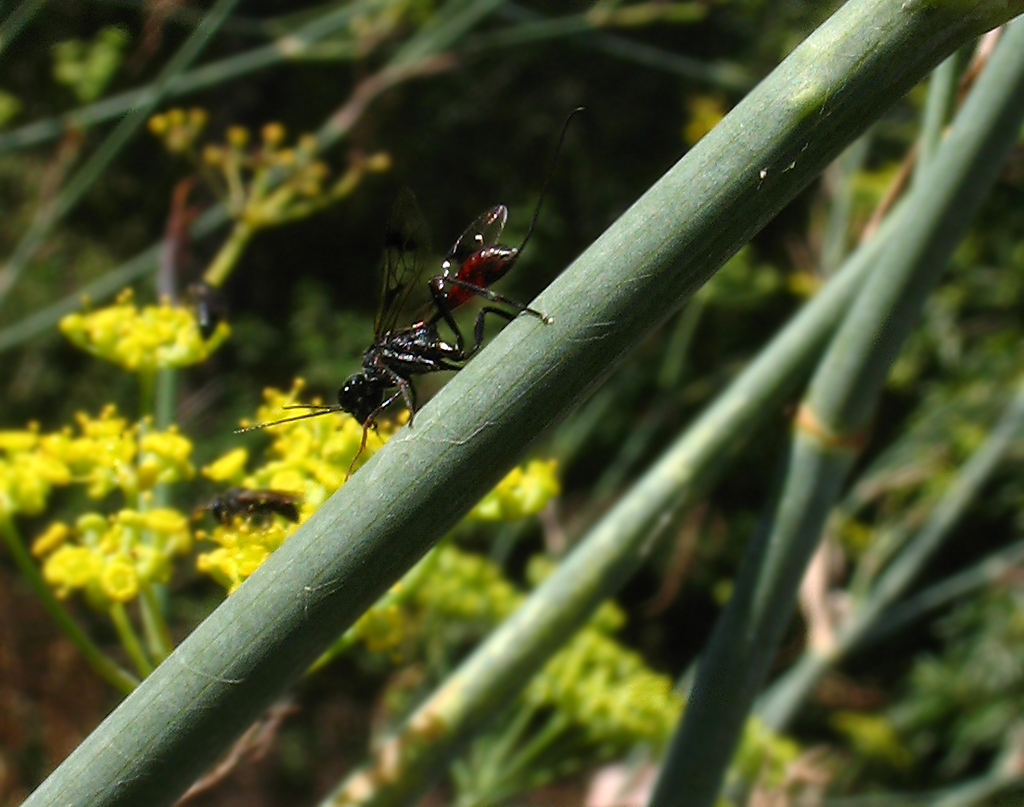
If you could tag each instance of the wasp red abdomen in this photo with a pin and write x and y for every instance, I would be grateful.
(480, 270)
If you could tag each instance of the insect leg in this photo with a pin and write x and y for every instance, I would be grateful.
(495, 297)
(444, 311)
(478, 327)
(407, 391)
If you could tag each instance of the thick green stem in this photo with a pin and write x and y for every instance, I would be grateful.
(780, 703)
(387, 516)
(841, 398)
(609, 553)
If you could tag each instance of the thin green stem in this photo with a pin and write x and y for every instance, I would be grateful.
(841, 398)
(677, 351)
(164, 407)
(102, 665)
(229, 254)
(835, 239)
(17, 20)
(533, 26)
(147, 396)
(540, 743)
(985, 573)
(486, 762)
(291, 45)
(942, 89)
(158, 638)
(69, 196)
(129, 639)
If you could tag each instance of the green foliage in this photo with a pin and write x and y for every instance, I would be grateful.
(963, 702)
(10, 106)
(111, 497)
(87, 67)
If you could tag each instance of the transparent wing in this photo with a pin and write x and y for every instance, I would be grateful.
(484, 231)
(406, 253)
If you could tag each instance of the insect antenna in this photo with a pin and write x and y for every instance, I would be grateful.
(547, 180)
(315, 411)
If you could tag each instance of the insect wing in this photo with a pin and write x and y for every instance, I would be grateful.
(484, 231)
(406, 253)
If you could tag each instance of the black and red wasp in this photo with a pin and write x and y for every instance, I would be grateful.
(473, 264)
(256, 505)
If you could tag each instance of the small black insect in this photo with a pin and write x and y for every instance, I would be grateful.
(256, 505)
(210, 307)
(397, 354)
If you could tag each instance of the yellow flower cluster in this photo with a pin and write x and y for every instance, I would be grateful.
(104, 454)
(263, 184)
(107, 557)
(523, 492)
(609, 693)
(307, 457)
(604, 688)
(142, 340)
(178, 128)
(111, 558)
(28, 472)
(468, 588)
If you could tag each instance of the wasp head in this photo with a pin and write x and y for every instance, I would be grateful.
(361, 396)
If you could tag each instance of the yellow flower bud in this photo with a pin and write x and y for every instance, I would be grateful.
(273, 134)
(228, 468)
(52, 537)
(119, 581)
(237, 137)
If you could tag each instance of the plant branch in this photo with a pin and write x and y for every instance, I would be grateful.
(262, 638)
(841, 398)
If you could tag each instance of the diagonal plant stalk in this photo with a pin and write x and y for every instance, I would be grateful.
(291, 45)
(402, 67)
(838, 406)
(780, 703)
(836, 234)
(606, 557)
(69, 196)
(115, 280)
(17, 20)
(646, 264)
(532, 26)
(941, 97)
(986, 572)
